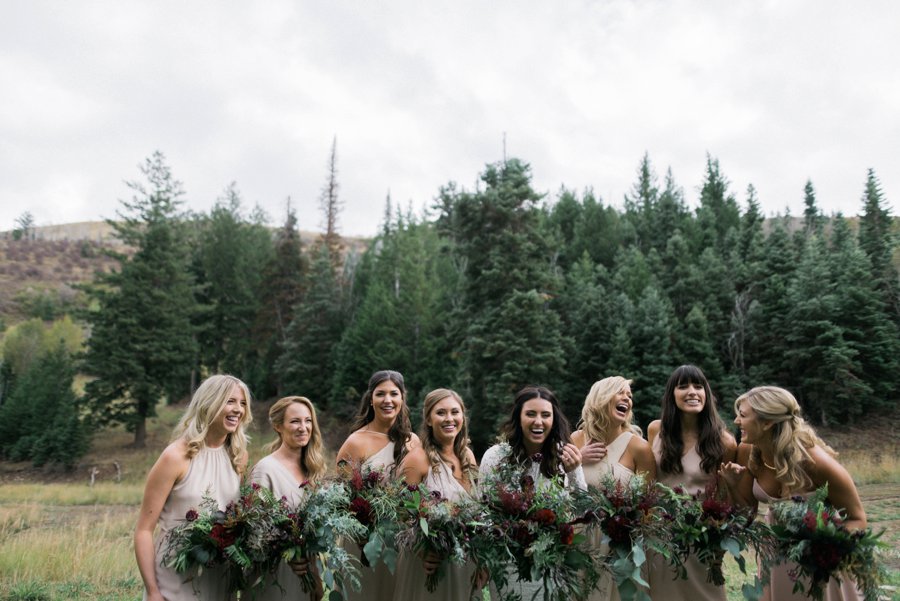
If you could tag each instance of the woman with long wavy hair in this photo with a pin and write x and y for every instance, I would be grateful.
(786, 458)
(446, 465)
(206, 457)
(296, 458)
(606, 421)
(381, 436)
(536, 424)
(690, 443)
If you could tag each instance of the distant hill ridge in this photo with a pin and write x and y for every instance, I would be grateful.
(102, 233)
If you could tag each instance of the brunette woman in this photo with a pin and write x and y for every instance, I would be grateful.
(690, 443)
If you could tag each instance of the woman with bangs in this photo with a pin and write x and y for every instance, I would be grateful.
(784, 458)
(206, 457)
(381, 436)
(690, 443)
(295, 459)
(535, 425)
(446, 465)
(606, 432)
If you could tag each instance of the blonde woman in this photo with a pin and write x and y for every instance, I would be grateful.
(606, 422)
(446, 465)
(295, 459)
(787, 458)
(207, 456)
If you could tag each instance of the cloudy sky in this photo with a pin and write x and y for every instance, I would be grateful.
(418, 94)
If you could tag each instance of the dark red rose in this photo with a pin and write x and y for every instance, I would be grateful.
(566, 534)
(222, 536)
(810, 521)
(618, 528)
(373, 478)
(255, 486)
(537, 458)
(362, 510)
(191, 515)
(544, 516)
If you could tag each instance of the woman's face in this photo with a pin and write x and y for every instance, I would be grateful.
(445, 420)
(387, 401)
(297, 428)
(232, 413)
(620, 405)
(753, 429)
(536, 420)
(690, 397)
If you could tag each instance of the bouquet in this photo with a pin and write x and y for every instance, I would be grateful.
(630, 522)
(314, 528)
(706, 525)
(239, 538)
(534, 528)
(433, 526)
(812, 534)
(375, 501)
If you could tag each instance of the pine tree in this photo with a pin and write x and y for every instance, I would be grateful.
(142, 345)
(718, 211)
(878, 241)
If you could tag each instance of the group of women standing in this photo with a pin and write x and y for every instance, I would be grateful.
(689, 446)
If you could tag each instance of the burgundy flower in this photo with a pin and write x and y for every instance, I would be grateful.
(362, 510)
(255, 486)
(566, 534)
(537, 457)
(715, 509)
(512, 501)
(373, 478)
(618, 528)
(810, 521)
(222, 536)
(544, 516)
(191, 515)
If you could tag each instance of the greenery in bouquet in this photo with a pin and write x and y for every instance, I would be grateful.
(314, 528)
(811, 534)
(375, 501)
(707, 526)
(433, 525)
(239, 538)
(630, 523)
(536, 528)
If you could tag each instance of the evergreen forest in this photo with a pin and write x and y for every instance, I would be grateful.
(486, 290)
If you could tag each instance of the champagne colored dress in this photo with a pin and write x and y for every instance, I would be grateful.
(595, 474)
(270, 473)
(780, 587)
(457, 581)
(378, 582)
(665, 584)
(210, 473)
(494, 456)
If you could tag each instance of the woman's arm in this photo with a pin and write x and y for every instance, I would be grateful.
(414, 467)
(171, 467)
(644, 461)
(737, 478)
(842, 492)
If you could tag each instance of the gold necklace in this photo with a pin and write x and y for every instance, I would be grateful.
(375, 431)
(771, 467)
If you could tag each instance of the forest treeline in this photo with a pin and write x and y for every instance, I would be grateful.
(491, 289)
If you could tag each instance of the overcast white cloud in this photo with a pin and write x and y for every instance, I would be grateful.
(421, 93)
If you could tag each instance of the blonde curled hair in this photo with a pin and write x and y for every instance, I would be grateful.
(205, 406)
(460, 443)
(312, 457)
(792, 437)
(595, 413)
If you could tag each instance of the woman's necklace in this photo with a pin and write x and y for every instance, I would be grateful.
(771, 467)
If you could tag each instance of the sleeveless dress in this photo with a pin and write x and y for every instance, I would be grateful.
(665, 584)
(210, 473)
(494, 456)
(270, 473)
(780, 587)
(594, 474)
(378, 582)
(457, 582)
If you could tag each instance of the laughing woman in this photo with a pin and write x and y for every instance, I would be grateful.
(787, 458)
(295, 458)
(535, 425)
(380, 439)
(446, 465)
(606, 421)
(690, 443)
(207, 456)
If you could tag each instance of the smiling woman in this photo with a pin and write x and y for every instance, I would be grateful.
(207, 456)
